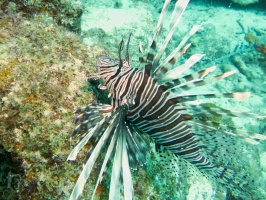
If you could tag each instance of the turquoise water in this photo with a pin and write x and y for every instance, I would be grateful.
(44, 80)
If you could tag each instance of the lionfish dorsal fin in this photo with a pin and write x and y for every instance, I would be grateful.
(120, 49)
(178, 51)
(180, 7)
(174, 73)
(152, 48)
(142, 58)
(127, 53)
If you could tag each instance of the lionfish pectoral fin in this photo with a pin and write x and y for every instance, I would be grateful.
(121, 168)
(104, 135)
(111, 131)
(95, 76)
(137, 145)
(90, 117)
(107, 157)
(127, 179)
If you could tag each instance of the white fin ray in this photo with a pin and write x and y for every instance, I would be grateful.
(171, 62)
(115, 186)
(152, 46)
(238, 96)
(190, 77)
(179, 10)
(214, 111)
(127, 179)
(106, 159)
(73, 154)
(87, 168)
(161, 19)
(176, 13)
(174, 73)
(201, 82)
(193, 30)
(142, 59)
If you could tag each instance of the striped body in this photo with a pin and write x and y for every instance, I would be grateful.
(154, 103)
(154, 113)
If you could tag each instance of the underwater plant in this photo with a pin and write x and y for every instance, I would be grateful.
(153, 103)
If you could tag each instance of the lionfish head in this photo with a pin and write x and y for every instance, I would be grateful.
(109, 67)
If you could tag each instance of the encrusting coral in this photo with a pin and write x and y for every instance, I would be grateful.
(66, 13)
(42, 70)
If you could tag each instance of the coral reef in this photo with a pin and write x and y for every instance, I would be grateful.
(43, 68)
(66, 13)
(261, 48)
(9, 176)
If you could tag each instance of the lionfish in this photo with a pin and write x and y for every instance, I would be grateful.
(152, 102)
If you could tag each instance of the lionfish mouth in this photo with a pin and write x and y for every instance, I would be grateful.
(153, 104)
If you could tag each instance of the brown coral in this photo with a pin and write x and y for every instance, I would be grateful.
(261, 48)
(251, 38)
